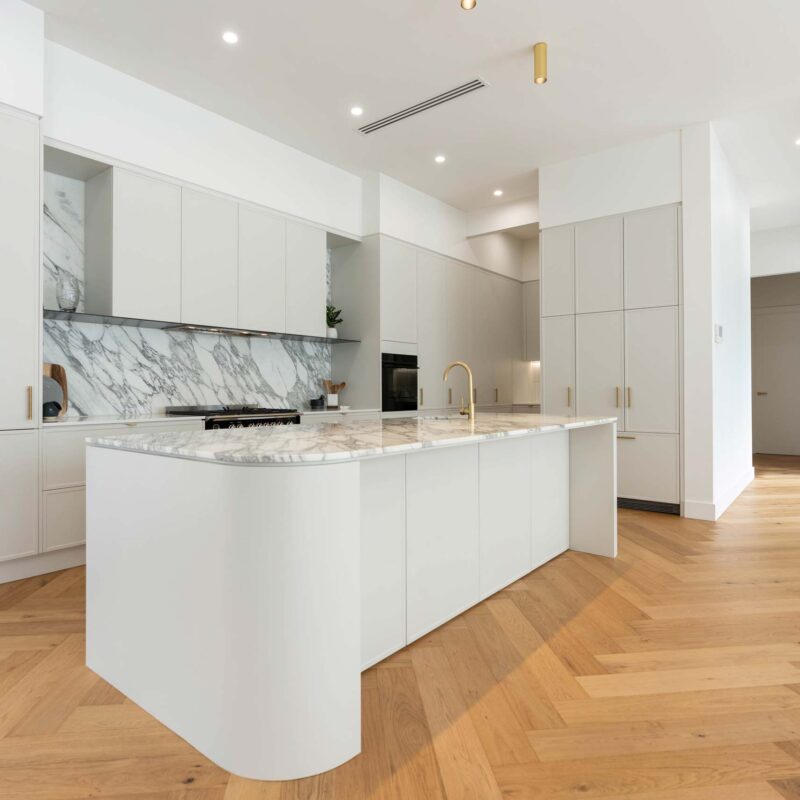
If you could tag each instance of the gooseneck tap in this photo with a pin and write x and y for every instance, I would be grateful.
(469, 411)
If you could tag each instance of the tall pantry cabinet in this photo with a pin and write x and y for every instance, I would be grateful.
(611, 340)
(19, 332)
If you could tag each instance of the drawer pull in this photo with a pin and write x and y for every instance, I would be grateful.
(761, 394)
(626, 437)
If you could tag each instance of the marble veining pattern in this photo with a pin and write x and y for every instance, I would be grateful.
(134, 371)
(62, 234)
(332, 442)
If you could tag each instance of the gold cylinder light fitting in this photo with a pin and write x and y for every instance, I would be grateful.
(540, 62)
(468, 5)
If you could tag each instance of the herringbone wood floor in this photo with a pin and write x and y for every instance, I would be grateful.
(672, 673)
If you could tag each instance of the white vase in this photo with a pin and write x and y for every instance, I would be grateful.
(333, 333)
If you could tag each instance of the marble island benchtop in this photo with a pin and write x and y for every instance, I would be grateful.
(326, 442)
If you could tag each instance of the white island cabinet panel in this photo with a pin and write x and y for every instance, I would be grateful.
(262, 271)
(383, 558)
(19, 489)
(146, 261)
(305, 280)
(505, 513)
(549, 497)
(443, 547)
(20, 210)
(209, 292)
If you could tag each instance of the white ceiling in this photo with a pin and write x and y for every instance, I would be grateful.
(619, 70)
(761, 147)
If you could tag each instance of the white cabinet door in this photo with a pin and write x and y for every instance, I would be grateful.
(505, 512)
(209, 294)
(383, 558)
(651, 258)
(457, 330)
(558, 365)
(64, 523)
(598, 265)
(485, 302)
(442, 545)
(432, 329)
(306, 287)
(262, 271)
(558, 271)
(146, 260)
(599, 364)
(530, 306)
(509, 338)
(550, 496)
(651, 370)
(647, 467)
(19, 491)
(20, 211)
(398, 291)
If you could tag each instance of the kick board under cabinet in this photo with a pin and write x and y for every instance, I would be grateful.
(619, 353)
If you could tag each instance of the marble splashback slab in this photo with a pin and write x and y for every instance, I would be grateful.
(62, 234)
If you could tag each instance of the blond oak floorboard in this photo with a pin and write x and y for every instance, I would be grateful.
(669, 673)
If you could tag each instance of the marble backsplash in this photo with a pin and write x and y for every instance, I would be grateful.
(127, 370)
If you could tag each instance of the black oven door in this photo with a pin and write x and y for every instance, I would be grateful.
(399, 382)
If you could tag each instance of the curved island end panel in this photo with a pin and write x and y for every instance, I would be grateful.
(279, 562)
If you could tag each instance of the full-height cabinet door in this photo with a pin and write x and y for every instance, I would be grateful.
(651, 258)
(306, 287)
(209, 263)
(557, 253)
(530, 310)
(20, 211)
(598, 265)
(599, 364)
(457, 329)
(146, 261)
(651, 370)
(510, 340)
(431, 329)
(486, 309)
(398, 291)
(558, 365)
(19, 493)
(262, 271)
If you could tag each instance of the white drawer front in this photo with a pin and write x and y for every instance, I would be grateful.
(64, 518)
(647, 467)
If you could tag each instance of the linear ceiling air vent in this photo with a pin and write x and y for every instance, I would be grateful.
(444, 97)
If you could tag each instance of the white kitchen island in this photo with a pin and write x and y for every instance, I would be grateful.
(238, 581)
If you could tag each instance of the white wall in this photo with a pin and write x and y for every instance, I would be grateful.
(21, 56)
(639, 175)
(775, 251)
(499, 252)
(530, 259)
(733, 435)
(503, 216)
(92, 106)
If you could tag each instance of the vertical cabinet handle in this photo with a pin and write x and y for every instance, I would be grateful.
(569, 396)
(474, 394)
(496, 395)
(30, 402)
(630, 397)
(616, 402)
(421, 396)
(449, 397)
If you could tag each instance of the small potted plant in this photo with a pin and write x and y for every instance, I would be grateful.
(334, 317)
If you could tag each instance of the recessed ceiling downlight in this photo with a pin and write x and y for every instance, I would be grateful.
(498, 192)
(230, 37)
(356, 111)
(440, 159)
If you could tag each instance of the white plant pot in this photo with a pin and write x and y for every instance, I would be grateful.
(333, 333)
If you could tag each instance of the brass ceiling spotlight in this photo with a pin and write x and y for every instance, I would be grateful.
(540, 62)
(468, 5)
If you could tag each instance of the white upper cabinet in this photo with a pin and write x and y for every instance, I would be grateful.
(598, 265)
(147, 248)
(485, 302)
(20, 211)
(510, 338)
(651, 370)
(558, 365)
(432, 329)
(262, 271)
(455, 303)
(651, 258)
(599, 364)
(209, 260)
(558, 271)
(306, 287)
(398, 291)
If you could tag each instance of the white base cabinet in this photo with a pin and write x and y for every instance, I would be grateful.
(558, 353)
(19, 482)
(648, 467)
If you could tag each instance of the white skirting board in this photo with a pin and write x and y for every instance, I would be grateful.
(41, 564)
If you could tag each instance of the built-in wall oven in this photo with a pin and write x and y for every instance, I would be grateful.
(398, 382)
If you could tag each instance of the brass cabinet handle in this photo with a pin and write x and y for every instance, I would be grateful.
(626, 437)
(474, 394)
(761, 394)
(496, 395)
(30, 402)
(569, 396)
(630, 393)
(421, 396)
(616, 401)
(449, 397)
